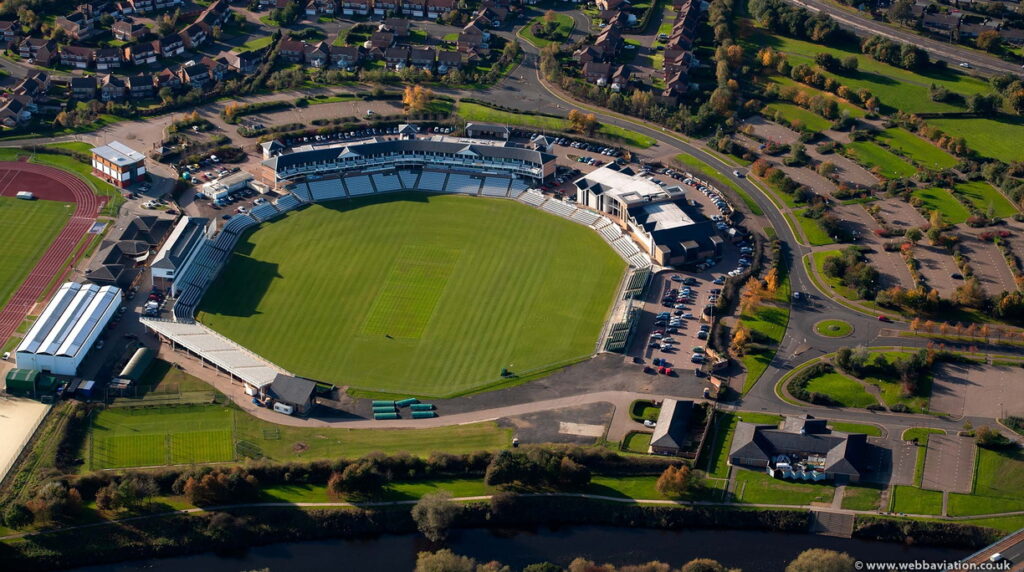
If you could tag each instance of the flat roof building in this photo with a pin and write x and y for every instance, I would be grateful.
(179, 252)
(72, 321)
(118, 164)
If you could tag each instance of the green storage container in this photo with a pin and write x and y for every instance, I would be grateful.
(383, 403)
(423, 414)
(383, 416)
(388, 409)
(422, 407)
(407, 402)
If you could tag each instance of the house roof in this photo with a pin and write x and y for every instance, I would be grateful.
(672, 430)
(843, 453)
(291, 389)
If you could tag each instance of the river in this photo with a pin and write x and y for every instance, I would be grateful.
(752, 551)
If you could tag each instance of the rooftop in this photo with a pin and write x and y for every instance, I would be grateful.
(185, 235)
(118, 153)
(68, 320)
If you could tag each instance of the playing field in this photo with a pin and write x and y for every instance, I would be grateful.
(416, 294)
(145, 437)
(26, 230)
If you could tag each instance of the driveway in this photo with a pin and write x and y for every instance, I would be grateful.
(949, 464)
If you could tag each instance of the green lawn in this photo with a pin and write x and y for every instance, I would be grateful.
(862, 498)
(845, 391)
(816, 235)
(770, 322)
(912, 500)
(819, 266)
(892, 389)
(998, 485)
(939, 199)
(26, 230)
(984, 197)
(482, 113)
(137, 437)
(833, 328)
(895, 87)
(879, 160)
(416, 294)
(920, 434)
(844, 106)
(565, 26)
(797, 116)
(638, 442)
(923, 152)
(162, 383)
(257, 43)
(997, 137)
(756, 487)
(865, 428)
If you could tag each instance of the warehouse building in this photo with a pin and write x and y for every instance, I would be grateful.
(66, 330)
(118, 164)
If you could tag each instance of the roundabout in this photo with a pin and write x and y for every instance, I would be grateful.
(833, 328)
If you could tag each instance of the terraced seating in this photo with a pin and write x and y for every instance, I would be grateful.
(533, 198)
(239, 223)
(610, 232)
(516, 187)
(287, 203)
(559, 208)
(266, 211)
(637, 282)
(326, 189)
(301, 190)
(625, 247)
(464, 184)
(586, 217)
(409, 179)
(640, 261)
(432, 181)
(358, 185)
(386, 182)
(495, 187)
(601, 223)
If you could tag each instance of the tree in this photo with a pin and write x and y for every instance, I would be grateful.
(988, 438)
(771, 280)
(550, 17)
(417, 98)
(989, 41)
(703, 565)
(674, 481)
(740, 340)
(434, 513)
(582, 122)
(969, 294)
(444, 561)
(821, 560)
(901, 11)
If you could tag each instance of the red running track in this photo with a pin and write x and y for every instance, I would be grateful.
(47, 183)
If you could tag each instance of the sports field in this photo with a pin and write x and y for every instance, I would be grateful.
(26, 230)
(145, 437)
(416, 294)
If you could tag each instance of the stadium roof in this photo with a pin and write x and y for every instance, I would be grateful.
(407, 146)
(625, 185)
(217, 350)
(67, 321)
(185, 235)
(118, 153)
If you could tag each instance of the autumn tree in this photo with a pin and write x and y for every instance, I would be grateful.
(582, 122)
(740, 340)
(417, 98)
(674, 481)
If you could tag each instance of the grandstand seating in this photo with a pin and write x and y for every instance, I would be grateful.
(358, 185)
(639, 260)
(301, 190)
(559, 208)
(386, 182)
(326, 189)
(495, 187)
(238, 223)
(409, 179)
(516, 187)
(610, 232)
(601, 223)
(464, 184)
(432, 181)
(534, 198)
(625, 247)
(586, 217)
(266, 211)
(287, 203)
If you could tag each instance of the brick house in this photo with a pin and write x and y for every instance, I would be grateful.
(143, 53)
(356, 7)
(77, 57)
(140, 86)
(108, 59)
(128, 31)
(112, 88)
(83, 88)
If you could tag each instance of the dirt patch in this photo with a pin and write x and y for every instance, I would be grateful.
(18, 421)
(300, 447)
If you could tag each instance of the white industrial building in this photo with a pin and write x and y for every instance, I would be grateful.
(229, 184)
(66, 330)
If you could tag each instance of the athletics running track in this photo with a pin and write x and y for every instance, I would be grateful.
(47, 183)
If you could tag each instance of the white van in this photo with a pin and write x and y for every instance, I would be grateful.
(25, 195)
(283, 408)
